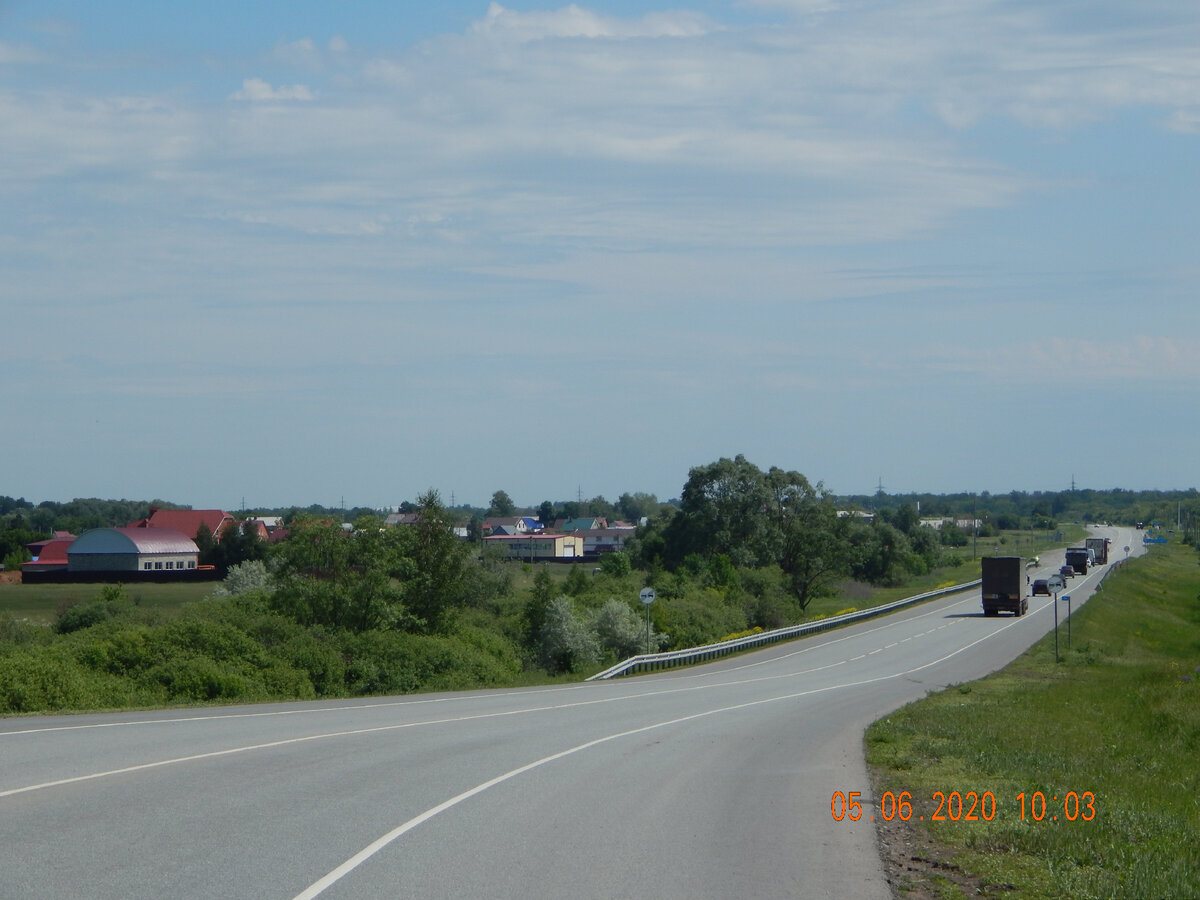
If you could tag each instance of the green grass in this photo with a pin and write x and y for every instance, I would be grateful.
(41, 603)
(1119, 717)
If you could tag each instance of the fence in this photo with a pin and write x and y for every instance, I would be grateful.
(649, 662)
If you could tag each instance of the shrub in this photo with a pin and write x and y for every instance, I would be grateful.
(567, 641)
(112, 602)
(48, 679)
(251, 575)
(615, 565)
(195, 679)
(620, 631)
(697, 619)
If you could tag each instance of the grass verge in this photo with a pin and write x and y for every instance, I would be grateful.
(1117, 719)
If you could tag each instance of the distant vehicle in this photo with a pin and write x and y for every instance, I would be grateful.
(1077, 559)
(1067, 571)
(1003, 585)
(1099, 547)
(1041, 586)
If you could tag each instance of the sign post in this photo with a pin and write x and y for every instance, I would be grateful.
(1056, 584)
(1067, 597)
(647, 597)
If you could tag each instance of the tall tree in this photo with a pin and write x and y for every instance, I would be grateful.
(437, 586)
(723, 509)
(502, 505)
(329, 576)
(812, 544)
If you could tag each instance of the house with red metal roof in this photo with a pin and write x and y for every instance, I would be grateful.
(49, 556)
(188, 521)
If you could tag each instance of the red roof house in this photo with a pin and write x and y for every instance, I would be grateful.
(187, 521)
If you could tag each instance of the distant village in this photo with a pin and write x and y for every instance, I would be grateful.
(166, 544)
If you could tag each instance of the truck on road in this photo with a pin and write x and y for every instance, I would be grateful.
(1004, 585)
(1077, 559)
(1099, 547)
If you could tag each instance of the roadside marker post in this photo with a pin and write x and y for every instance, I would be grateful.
(1067, 597)
(1056, 584)
(647, 597)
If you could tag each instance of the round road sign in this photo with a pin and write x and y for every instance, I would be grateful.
(647, 596)
(1055, 583)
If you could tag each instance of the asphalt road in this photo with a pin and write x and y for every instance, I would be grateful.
(713, 781)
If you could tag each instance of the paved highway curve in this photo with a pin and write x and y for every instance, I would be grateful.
(713, 781)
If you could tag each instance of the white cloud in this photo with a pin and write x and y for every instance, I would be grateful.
(16, 54)
(257, 90)
(302, 54)
(1139, 362)
(575, 22)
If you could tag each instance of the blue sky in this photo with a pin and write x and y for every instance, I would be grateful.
(309, 252)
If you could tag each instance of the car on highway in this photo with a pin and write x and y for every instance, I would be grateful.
(1067, 571)
(1041, 586)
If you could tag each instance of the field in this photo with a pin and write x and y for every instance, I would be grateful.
(1109, 737)
(40, 603)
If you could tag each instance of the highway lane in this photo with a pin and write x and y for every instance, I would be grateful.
(712, 782)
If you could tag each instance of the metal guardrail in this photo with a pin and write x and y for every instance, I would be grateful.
(649, 662)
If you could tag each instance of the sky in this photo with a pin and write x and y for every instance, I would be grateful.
(284, 253)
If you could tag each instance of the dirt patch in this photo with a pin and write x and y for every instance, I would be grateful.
(10, 577)
(919, 868)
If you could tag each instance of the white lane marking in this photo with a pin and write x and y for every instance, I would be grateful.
(349, 707)
(346, 707)
(230, 751)
(319, 886)
(449, 720)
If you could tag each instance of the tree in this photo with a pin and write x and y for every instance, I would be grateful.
(534, 613)
(637, 506)
(502, 505)
(437, 584)
(615, 565)
(239, 543)
(339, 579)
(546, 513)
(812, 544)
(732, 508)
(576, 582)
(600, 507)
(723, 509)
(205, 544)
(475, 530)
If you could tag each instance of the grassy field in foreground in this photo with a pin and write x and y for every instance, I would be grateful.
(1119, 717)
(41, 603)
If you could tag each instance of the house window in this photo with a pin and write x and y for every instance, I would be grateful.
(145, 565)
(191, 564)
(170, 565)
(158, 565)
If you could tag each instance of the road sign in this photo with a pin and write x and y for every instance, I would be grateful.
(1055, 583)
(646, 595)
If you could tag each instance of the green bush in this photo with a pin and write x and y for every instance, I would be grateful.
(196, 679)
(49, 679)
(697, 619)
(567, 640)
